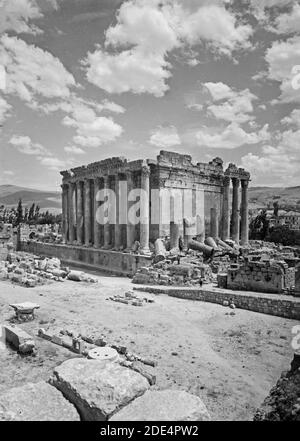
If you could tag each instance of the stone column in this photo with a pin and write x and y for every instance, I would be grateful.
(118, 227)
(174, 236)
(106, 227)
(87, 213)
(244, 213)
(97, 226)
(65, 217)
(79, 214)
(214, 223)
(226, 209)
(130, 228)
(71, 197)
(144, 210)
(235, 222)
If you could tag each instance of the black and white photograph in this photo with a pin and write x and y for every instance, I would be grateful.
(149, 214)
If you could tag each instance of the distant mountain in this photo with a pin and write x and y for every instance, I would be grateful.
(260, 197)
(47, 200)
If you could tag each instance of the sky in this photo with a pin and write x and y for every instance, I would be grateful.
(84, 80)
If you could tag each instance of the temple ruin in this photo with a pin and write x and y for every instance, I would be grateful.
(206, 184)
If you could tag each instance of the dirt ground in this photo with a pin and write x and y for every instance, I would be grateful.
(230, 362)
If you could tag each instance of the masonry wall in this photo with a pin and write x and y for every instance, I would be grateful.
(109, 261)
(273, 277)
(271, 304)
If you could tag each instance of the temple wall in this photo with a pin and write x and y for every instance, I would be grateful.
(114, 262)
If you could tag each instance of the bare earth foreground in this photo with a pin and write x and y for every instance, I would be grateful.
(230, 362)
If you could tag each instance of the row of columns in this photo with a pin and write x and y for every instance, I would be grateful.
(238, 227)
(77, 206)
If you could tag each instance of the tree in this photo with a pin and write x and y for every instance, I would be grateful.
(31, 212)
(19, 218)
(283, 235)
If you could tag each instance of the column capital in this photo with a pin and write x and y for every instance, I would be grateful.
(226, 181)
(245, 183)
(105, 179)
(235, 182)
(145, 170)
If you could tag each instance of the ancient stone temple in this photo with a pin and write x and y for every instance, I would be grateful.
(172, 196)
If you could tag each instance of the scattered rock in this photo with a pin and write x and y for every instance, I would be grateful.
(166, 405)
(98, 388)
(36, 402)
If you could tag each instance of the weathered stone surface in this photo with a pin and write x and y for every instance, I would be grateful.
(98, 388)
(166, 405)
(36, 402)
(19, 339)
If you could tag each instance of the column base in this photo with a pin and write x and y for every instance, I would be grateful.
(145, 252)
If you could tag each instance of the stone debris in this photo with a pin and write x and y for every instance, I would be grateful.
(29, 270)
(165, 405)
(36, 402)
(130, 298)
(283, 402)
(19, 339)
(98, 389)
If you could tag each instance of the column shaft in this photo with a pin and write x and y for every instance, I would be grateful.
(65, 222)
(106, 226)
(118, 227)
(97, 225)
(130, 227)
(71, 197)
(79, 214)
(226, 210)
(87, 213)
(244, 214)
(144, 210)
(235, 223)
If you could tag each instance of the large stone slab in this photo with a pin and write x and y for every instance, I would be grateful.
(18, 338)
(165, 405)
(98, 388)
(36, 402)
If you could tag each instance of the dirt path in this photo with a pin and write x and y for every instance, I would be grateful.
(231, 362)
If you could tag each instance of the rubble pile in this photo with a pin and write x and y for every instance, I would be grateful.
(130, 298)
(170, 273)
(29, 270)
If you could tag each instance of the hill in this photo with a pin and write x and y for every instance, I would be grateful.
(47, 200)
(260, 197)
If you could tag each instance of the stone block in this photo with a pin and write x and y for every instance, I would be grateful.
(36, 402)
(166, 405)
(98, 388)
(18, 338)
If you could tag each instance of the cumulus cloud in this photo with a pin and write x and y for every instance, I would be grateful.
(262, 8)
(278, 164)
(135, 57)
(232, 106)
(231, 137)
(16, 15)
(32, 72)
(289, 22)
(4, 109)
(26, 146)
(75, 150)
(282, 58)
(293, 118)
(165, 137)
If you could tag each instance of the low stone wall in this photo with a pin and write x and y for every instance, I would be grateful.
(114, 262)
(262, 276)
(272, 304)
